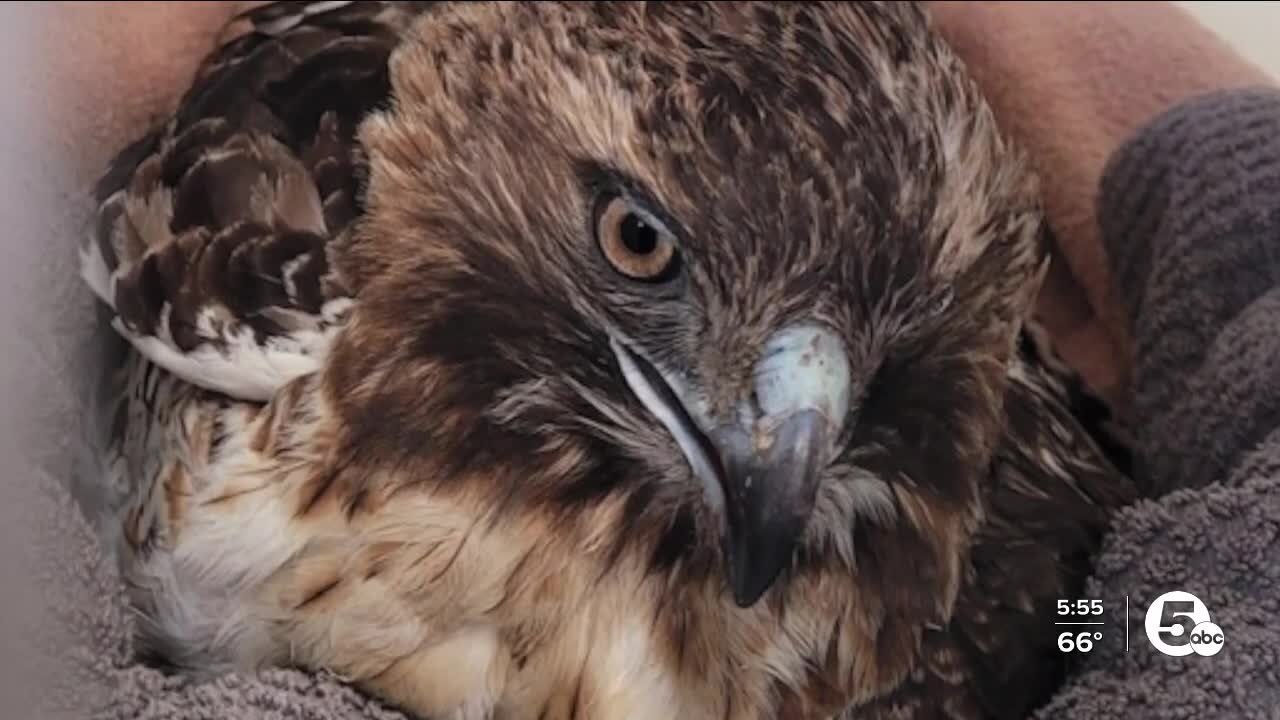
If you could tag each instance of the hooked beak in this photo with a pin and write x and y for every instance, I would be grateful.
(760, 470)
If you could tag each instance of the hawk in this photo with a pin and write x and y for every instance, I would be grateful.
(596, 360)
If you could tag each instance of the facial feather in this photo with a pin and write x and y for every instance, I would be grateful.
(885, 224)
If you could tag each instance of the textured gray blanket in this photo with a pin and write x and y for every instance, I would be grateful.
(1191, 210)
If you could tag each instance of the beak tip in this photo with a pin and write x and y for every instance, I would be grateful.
(755, 561)
(747, 592)
(745, 600)
(746, 583)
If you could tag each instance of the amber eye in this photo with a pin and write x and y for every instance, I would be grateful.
(634, 245)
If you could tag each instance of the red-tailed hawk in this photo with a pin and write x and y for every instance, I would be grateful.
(596, 360)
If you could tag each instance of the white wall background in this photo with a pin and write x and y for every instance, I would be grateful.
(1252, 27)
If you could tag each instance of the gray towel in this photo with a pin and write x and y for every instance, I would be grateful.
(1192, 212)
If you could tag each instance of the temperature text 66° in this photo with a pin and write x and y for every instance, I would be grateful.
(1072, 641)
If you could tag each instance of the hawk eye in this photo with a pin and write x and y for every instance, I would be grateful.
(635, 245)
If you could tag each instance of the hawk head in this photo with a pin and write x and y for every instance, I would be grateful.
(730, 288)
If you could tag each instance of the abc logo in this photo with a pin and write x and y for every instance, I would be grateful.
(1178, 624)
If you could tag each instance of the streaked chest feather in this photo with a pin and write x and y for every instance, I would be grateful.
(424, 602)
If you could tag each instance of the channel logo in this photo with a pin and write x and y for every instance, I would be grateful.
(1178, 624)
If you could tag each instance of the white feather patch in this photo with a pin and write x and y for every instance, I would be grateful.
(287, 22)
(234, 363)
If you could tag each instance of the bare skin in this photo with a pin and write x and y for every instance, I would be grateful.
(132, 61)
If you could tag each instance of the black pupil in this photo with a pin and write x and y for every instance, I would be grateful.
(638, 236)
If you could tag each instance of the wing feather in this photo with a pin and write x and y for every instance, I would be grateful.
(214, 229)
